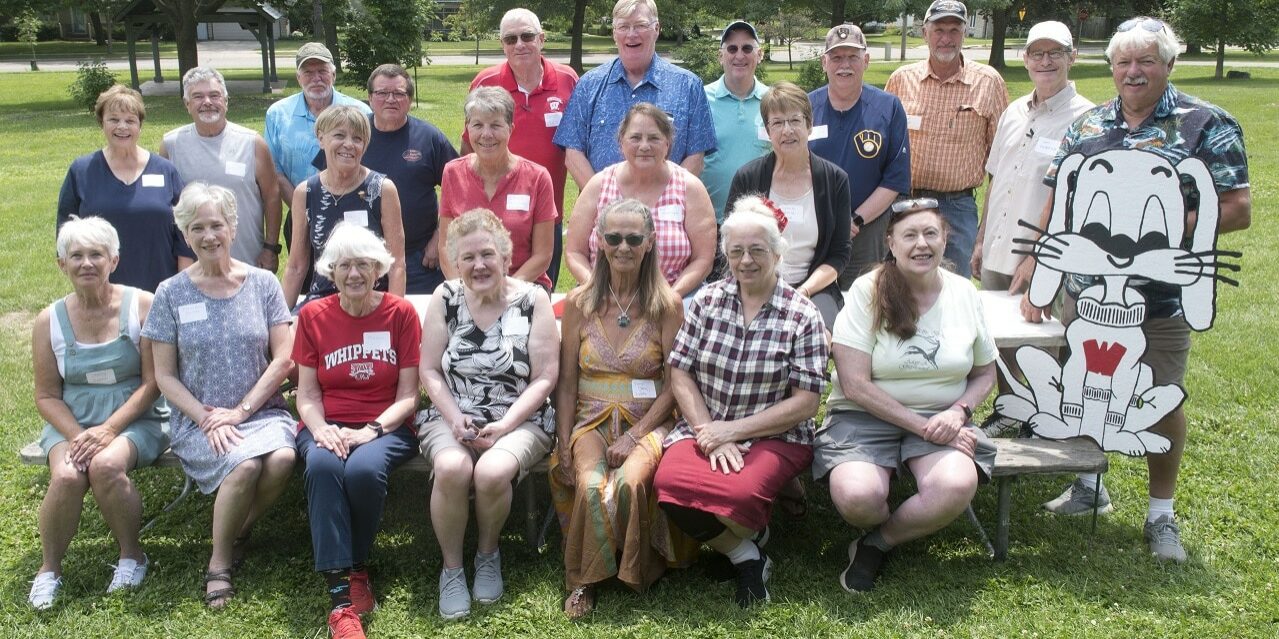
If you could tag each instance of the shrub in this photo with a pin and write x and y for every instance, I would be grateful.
(811, 75)
(386, 31)
(701, 56)
(92, 78)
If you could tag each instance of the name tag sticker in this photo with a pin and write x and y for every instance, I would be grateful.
(820, 132)
(515, 326)
(235, 168)
(643, 389)
(914, 122)
(791, 211)
(1047, 146)
(153, 179)
(196, 312)
(377, 341)
(553, 119)
(105, 376)
(670, 213)
(359, 218)
(518, 202)
(762, 133)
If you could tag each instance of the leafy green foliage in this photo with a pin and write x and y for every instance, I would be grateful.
(811, 75)
(701, 56)
(1243, 23)
(92, 78)
(385, 31)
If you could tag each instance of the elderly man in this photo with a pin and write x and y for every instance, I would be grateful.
(734, 101)
(541, 90)
(1150, 114)
(588, 132)
(214, 150)
(862, 129)
(290, 123)
(952, 107)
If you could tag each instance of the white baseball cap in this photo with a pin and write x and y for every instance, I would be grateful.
(1051, 30)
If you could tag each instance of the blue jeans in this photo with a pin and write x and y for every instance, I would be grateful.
(344, 498)
(420, 280)
(960, 211)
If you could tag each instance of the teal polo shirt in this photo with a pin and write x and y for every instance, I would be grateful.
(738, 127)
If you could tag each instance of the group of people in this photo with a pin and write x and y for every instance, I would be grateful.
(729, 241)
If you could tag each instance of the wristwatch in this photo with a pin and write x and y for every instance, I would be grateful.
(968, 410)
(858, 220)
(274, 248)
(376, 426)
(247, 408)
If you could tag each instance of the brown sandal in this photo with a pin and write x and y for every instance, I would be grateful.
(218, 599)
(239, 549)
(580, 602)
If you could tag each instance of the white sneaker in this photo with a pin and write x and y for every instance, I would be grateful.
(44, 590)
(128, 574)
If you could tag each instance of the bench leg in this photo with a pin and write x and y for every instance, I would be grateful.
(1005, 486)
(186, 490)
(530, 511)
(981, 531)
(546, 528)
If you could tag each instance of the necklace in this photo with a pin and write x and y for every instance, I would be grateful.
(623, 318)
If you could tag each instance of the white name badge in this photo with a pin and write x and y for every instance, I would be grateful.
(153, 179)
(643, 389)
(235, 168)
(914, 122)
(359, 218)
(1047, 146)
(762, 133)
(105, 376)
(515, 326)
(670, 213)
(553, 119)
(518, 202)
(820, 132)
(791, 211)
(196, 312)
(377, 341)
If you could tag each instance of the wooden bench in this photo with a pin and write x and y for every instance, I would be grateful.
(535, 530)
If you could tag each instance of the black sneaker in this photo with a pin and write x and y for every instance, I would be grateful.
(752, 577)
(864, 562)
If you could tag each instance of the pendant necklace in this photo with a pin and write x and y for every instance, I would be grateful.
(623, 318)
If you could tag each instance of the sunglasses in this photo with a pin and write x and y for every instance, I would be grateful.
(615, 239)
(732, 49)
(917, 204)
(526, 37)
(1149, 24)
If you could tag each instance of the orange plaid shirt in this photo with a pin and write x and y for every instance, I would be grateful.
(952, 122)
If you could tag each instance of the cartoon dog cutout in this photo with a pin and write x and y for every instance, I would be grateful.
(1119, 217)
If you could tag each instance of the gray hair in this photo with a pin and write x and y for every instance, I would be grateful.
(489, 100)
(88, 231)
(625, 8)
(352, 241)
(1138, 38)
(196, 75)
(478, 221)
(196, 195)
(520, 12)
(750, 211)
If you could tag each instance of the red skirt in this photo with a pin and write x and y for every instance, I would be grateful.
(684, 478)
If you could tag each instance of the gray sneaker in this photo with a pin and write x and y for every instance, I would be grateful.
(488, 577)
(1078, 499)
(455, 599)
(1164, 538)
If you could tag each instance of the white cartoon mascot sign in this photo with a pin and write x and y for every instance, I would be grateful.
(1118, 217)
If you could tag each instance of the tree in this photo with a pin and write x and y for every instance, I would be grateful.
(28, 31)
(473, 19)
(1243, 23)
(787, 27)
(386, 31)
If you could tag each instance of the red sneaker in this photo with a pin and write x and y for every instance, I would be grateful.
(344, 623)
(362, 599)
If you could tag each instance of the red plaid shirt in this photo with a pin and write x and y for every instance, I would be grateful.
(673, 248)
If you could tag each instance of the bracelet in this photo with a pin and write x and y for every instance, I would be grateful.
(633, 440)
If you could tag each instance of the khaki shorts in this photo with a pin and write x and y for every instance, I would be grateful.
(855, 435)
(1167, 345)
(528, 444)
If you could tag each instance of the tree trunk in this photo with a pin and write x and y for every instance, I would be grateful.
(184, 35)
(837, 12)
(317, 19)
(1221, 59)
(579, 27)
(998, 36)
(99, 37)
(1193, 48)
(331, 41)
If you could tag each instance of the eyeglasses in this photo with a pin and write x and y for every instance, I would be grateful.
(793, 123)
(391, 95)
(201, 97)
(1055, 55)
(917, 204)
(732, 49)
(638, 27)
(615, 239)
(526, 37)
(1149, 24)
(757, 253)
(359, 265)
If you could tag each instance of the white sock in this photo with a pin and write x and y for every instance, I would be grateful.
(1090, 480)
(1159, 508)
(745, 551)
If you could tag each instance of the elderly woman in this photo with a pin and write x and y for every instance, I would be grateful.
(747, 369)
(809, 191)
(357, 355)
(912, 359)
(220, 336)
(682, 211)
(345, 191)
(613, 408)
(97, 395)
(517, 190)
(131, 188)
(488, 364)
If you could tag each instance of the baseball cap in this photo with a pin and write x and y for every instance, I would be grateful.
(738, 25)
(946, 9)
(844, 35)
(313, 51)
(1051, 30)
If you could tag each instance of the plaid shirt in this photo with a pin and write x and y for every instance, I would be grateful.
(674, 251)
(956, 122)
(742, 370)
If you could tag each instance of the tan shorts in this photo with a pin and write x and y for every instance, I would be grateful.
(528, 444)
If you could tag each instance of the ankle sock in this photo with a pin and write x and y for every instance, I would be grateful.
(339, 585)
(876, 539)
(745, 551)
(1159, 508)
(1090, 481)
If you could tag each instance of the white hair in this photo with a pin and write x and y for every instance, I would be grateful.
(88, 231)
(520, 12)
(1138, 38)
(749, 212)
(352, 241)
(196, 75)
(196, 195)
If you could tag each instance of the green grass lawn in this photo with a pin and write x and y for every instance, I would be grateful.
(1060, 579)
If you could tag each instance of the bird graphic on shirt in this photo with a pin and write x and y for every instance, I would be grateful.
(929, 355)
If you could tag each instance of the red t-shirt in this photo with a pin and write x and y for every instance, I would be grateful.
(537, 117)
(358, 359)
(522, 199)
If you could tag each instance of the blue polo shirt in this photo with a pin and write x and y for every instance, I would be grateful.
(603, 96)
(290, 134)
(738, 130)
(868, 141)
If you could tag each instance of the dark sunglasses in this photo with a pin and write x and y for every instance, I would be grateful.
(1149, 24)
(615, 239)
(527, 36)
(745, 48)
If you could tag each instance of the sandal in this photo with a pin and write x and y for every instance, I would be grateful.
(218, 599)
(580, 602)
(239, 549)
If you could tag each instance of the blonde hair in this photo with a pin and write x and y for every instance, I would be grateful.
(478, 221)
(120, 98)
(342, 115)
(625, 8)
